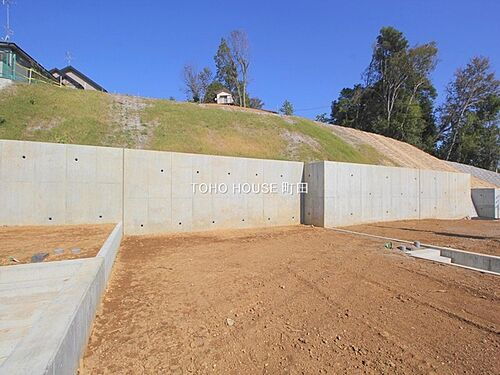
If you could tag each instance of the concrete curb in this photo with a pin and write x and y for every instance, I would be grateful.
(466, 259)
(110, 248)
(49, 348)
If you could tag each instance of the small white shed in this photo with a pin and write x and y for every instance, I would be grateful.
(224, 97)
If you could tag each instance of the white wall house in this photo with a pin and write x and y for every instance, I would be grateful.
(224, 97)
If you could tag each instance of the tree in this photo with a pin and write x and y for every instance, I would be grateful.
(469, 117)
(396, 97)
(323, 117)
(232, 63)
(239, 48)
(256, 103)
(287, 108)
(196, 82)
(226, 70)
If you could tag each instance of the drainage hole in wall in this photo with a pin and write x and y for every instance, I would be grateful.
(256, 174)
(161, 170)
(76, 159)
(180, 223)
(351, 213)
(242, 219)
(386, 212)
(268, 218)
(100, 216)
(281, 175)
(24, 156)
(293, 217)
(228, 173)
(197, 171)
(142, 225)
(213, 221)
(352, 175)
(50, 218)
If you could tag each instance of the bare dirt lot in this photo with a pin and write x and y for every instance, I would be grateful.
(21, 242)
(480, 236)
(294, 300)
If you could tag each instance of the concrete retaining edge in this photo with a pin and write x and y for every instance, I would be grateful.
(54, 349)
(466, 259)
(110, 248)
(76, 308)
(480, 262)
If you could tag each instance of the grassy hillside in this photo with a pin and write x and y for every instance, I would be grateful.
(51, 114)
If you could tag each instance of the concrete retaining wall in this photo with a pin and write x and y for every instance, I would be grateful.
(487, 202)
(150, 191)
(351, 194)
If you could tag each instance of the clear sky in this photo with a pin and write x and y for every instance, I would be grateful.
(303, 51)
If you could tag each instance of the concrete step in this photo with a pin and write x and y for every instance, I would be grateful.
(430, 254)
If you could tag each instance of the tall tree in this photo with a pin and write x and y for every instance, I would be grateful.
(196, 82)
(239, 47)
(469, 117)
(226, 69)
(396, 97)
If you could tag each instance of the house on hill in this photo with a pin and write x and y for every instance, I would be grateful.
(223, 96)
(17, 65)
(72, 77)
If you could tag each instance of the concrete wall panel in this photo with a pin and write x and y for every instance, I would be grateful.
(487, 202)
(173, 205)
(44, 183)
(356, 194)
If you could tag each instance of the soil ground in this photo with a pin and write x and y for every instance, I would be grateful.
(21, 242)
(291, 300)
(480, 236)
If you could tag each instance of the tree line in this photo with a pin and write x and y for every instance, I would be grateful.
(396, 98)
(232, 63)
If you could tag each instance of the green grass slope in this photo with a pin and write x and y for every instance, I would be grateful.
(52, 114)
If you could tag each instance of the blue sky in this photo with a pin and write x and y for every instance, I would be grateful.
(303, 51)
